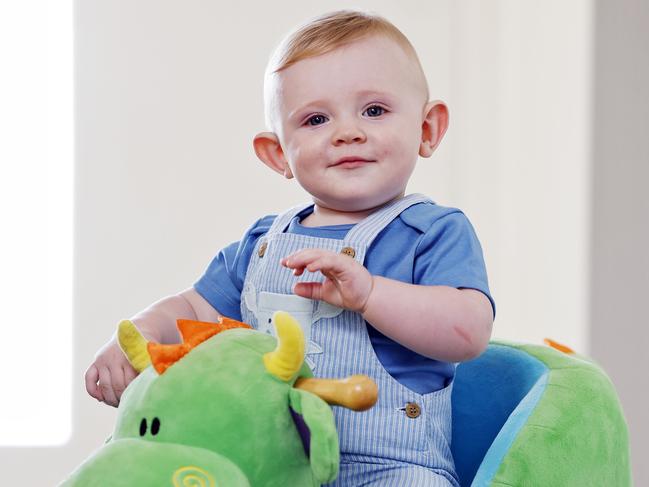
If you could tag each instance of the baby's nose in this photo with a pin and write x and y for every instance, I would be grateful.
(347, 134)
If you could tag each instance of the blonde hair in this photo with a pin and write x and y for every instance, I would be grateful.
(327, 33)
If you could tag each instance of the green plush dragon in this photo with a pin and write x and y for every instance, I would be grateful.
(235, 407)
(229, 406)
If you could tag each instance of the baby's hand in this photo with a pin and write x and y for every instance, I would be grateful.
(347, 285)
(109, 374)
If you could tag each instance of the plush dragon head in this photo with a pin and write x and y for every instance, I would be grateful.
(229, 406)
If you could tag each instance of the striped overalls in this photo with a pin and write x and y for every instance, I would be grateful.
(404, 440)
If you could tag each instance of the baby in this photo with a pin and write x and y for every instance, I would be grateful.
(384, 284)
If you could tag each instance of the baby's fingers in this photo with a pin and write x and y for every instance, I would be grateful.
(129, 375)
(313, 260)
(118, 381)
(106, 387)
(302, 258)
(92, 376)
(309, 290)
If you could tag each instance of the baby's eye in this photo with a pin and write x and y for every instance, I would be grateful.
(374, 111)
(316, 120)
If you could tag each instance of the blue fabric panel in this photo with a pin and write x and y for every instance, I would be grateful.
(503, 442)
(487, 390)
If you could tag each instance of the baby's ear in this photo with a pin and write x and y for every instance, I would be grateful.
(270, 152)
(433, 127)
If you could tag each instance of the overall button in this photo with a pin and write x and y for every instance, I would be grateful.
(348, 251)
(413, 410)
(262, 249)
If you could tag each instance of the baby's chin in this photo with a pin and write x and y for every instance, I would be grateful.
(354, 203)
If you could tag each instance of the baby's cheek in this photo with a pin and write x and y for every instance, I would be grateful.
(395, 140)
(306, 154)
(397, 151)
(387, 148)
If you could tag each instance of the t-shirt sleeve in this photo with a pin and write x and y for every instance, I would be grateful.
(222, 282)
(449, 254)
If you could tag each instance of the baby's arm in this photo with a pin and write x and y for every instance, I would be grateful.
(439, 322)
(158, 321)
(110, 372)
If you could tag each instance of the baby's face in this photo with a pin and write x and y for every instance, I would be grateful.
(350, 123)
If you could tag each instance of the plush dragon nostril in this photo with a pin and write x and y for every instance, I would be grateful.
(143, 427)
(155, 426)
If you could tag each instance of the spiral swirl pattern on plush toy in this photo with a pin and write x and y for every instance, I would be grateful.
(191, 476)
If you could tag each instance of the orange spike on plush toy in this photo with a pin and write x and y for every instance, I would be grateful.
(558, 346)
(193, 333)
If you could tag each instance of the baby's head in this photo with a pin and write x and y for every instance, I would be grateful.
(347, 108)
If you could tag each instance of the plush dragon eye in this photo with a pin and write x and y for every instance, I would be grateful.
(155, 426)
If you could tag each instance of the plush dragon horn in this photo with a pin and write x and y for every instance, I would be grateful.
(287, 358)
(357, 392)
(134, 345)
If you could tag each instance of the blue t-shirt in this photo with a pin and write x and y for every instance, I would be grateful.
(426, 244)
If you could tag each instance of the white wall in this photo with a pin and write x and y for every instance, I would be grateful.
(169, 96)
(519, 157)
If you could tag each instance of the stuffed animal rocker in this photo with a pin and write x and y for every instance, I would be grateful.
(235, 409)
(228, 407)
(533, 415)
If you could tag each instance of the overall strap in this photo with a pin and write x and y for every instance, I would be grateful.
(282, 221)
(367, 230)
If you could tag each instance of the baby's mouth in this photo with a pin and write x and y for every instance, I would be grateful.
(349, 162)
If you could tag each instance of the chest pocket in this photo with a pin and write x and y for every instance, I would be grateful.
(306, 311)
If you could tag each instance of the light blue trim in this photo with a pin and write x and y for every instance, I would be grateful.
(515, 423)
